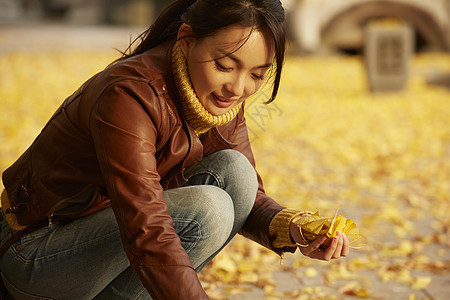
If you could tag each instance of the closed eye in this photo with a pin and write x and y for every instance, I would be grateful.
(221, 67)
(258, 77)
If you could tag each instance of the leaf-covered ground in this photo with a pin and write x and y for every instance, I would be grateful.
(325, 144)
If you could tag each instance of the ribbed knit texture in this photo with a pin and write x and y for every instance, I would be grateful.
(279, 227)
(200, 119)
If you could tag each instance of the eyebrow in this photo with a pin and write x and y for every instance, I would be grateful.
(239, 62)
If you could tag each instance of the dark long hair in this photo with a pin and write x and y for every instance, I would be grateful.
(206, 17)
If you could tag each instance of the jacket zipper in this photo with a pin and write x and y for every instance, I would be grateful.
(155, 292)
(55, 207)
(50, 220)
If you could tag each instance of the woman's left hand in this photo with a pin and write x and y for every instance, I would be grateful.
(338, 247)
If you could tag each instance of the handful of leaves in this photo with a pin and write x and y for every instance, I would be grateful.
(314, 226)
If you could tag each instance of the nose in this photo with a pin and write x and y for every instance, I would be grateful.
(236, 87)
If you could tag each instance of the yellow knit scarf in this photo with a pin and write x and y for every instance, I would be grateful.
(196, 114)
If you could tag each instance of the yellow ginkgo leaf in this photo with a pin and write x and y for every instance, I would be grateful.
(316, 226)
(337, 224)
(313, 226)
(349, 225)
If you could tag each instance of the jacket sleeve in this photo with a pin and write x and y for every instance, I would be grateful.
(257, 225)
(124, 126)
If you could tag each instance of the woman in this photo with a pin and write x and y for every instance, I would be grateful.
(151, 156)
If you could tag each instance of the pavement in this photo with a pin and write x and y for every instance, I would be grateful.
(35, 37)
(24, 36)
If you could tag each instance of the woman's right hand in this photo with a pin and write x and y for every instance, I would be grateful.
(339, 246)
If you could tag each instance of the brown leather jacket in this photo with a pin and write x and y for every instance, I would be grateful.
(121, 139)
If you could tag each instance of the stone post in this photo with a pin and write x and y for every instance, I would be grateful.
(388, 47)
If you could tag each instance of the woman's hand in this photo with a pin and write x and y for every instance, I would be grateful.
(338, 247)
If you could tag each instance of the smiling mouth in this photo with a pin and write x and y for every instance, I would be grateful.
(223, 99)
(222, 102)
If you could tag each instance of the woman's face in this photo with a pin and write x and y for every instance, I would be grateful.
(225, 69)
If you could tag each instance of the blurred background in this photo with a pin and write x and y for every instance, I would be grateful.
(314, 25)
(360, 128)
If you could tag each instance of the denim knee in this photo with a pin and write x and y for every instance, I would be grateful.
(237, 167)
(215, 213)
(231, 171)
(240, 180)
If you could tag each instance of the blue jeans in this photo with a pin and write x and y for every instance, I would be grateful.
(85, 259)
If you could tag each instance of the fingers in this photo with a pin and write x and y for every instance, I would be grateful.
(330, 252)
(313, 249)
(317, 243)
(339, 246)
(346, 246)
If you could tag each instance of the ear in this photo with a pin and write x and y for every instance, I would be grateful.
(185, 37)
